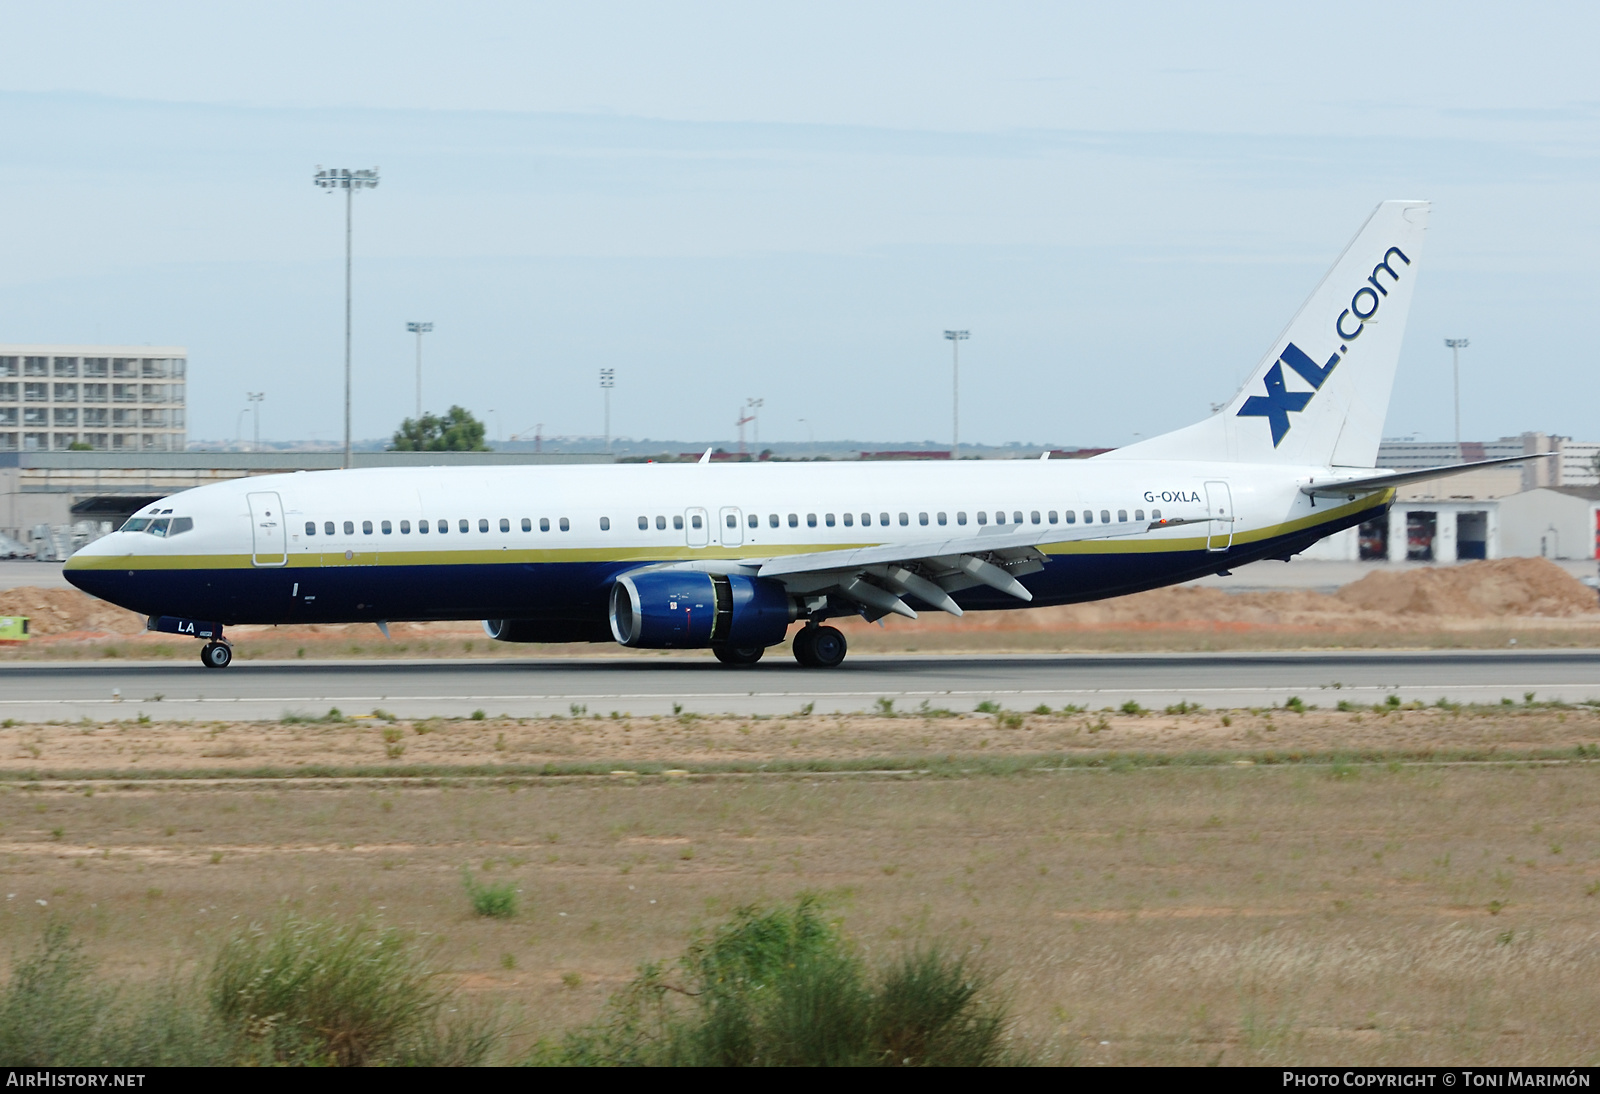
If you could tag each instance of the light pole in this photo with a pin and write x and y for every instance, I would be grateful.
(754, 410)
(255, 398)
(956, 338)
(342, 178)
(1456, 346)
(419, 329)
(608, 380)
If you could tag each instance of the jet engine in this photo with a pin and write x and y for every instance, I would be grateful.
(682, 609)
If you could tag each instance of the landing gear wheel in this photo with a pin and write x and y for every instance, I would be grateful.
(216, 655)
(738, 655)
(820, 647)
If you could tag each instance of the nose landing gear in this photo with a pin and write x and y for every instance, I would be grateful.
(216, 655)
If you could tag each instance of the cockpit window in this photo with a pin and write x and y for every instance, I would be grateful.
(180, 525)
(159, 527)
(136, 524)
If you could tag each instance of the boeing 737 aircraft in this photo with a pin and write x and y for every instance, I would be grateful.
(728, 557)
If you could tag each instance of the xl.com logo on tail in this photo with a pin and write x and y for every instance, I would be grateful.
(1279, 402)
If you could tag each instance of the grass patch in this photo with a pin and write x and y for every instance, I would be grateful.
(497, 899)
(783, 987)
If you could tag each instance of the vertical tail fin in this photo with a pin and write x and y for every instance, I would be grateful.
(1320, 395)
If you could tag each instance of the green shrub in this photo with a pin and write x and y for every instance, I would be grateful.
(782, 987)
(498, 900)
(325, 992)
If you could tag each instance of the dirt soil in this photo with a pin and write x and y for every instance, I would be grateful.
(368, 743)
(1475, 603)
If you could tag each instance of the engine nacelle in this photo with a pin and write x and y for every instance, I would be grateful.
(682, 609)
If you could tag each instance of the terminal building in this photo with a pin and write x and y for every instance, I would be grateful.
(96, 398)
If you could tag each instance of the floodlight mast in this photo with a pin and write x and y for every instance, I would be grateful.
(608, 380)
(1456, 345)
(255, 398)
(419, 329)
(956, 338)
(342, 178)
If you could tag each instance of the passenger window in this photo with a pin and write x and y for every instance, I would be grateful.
(505, 525)
(849, 520)
(999, 517)
(1052, 516)
(483, 524)
(349, 527)
(1122, 515)
(1138, 514)
(544, 524)
(387, 528)
(661, 524)
(1088, 516)
(1105, 516)
(828, 519)
(961, 517)
(677, 522)
(443, 526)
(180, 525)
(733, 521)
(922, 518)
(464, 525)
(940, 517)
(311, 526)
(605, 524)
(405, 528)
(866, 520)
(644, 524)
(905, 519)
(1034, 516)
(694, 522)
(983, 518)
(753, 520)
(366, 527)
(794, 520)
(811, 520)
(422, 527)
(883, 519)
(772, 520)
(1016, 517)
(327, 527)
(1155, 514)
(1072, 518)
(158, 528)
(566, 525)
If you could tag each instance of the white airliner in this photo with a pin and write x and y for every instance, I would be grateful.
(728, 557)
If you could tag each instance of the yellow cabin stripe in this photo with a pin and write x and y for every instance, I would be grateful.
(317, 560)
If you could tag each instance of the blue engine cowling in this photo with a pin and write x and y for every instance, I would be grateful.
(682, 609)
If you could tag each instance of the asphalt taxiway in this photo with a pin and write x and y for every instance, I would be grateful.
(644, 684)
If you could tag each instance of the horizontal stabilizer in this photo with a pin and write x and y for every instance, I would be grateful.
(1349, 488)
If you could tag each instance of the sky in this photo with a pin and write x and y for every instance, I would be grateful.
(1124, 204)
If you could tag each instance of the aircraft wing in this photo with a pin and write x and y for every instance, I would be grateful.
(1349, 488)
(878, 577)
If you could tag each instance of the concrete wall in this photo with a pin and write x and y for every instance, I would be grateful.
(1548, 524)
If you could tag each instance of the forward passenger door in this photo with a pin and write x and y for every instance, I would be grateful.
(268, 546)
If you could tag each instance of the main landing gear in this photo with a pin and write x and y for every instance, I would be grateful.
(738, 655)
(819, 647)
(216, 655)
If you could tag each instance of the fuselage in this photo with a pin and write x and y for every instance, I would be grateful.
(547, 543)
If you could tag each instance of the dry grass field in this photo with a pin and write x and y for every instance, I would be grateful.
(1243, 887)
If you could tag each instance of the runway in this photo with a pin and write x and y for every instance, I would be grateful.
(644, 685)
